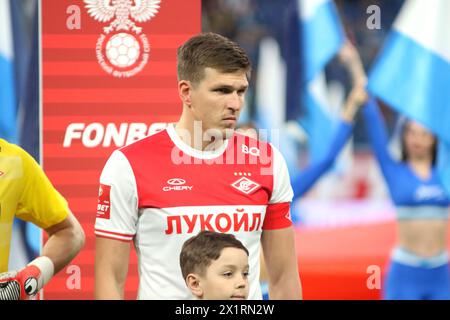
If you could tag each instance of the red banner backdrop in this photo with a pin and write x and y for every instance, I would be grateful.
(104, 84)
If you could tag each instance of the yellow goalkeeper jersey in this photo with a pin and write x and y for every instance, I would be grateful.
(25, 193)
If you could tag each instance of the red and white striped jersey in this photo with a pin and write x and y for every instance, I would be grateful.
(158, 192)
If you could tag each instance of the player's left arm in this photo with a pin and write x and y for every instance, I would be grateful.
(277, 239)
(281, 263)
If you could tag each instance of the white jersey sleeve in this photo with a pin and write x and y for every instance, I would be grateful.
(278, 209)
(282, 189)
(117, 209)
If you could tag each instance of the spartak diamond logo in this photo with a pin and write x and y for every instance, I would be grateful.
(245, 185)
(122, 50)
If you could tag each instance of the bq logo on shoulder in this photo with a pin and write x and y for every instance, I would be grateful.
(122, 50)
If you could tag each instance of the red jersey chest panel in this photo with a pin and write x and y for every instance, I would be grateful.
(168, 177)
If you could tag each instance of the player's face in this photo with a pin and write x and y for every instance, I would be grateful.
(227, 277)
(218, 99)
(418, 140)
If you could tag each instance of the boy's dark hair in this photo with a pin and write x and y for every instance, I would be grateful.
(210, 50)
(199, 251)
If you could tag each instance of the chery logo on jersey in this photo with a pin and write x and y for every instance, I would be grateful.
(245, 185)
(104, 205)
(176, 181)
(177, 184)
(122, 50)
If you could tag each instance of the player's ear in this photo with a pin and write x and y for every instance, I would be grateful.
(193, 283)
(184, 90)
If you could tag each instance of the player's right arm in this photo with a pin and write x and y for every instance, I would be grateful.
(111, 268)
(115, 227)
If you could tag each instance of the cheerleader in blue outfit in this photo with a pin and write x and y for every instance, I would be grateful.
(419, 266)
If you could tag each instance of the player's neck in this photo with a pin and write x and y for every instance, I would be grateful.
(192, 134)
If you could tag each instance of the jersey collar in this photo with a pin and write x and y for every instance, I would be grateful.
(192, 151)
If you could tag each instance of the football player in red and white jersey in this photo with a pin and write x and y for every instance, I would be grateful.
(197, 174)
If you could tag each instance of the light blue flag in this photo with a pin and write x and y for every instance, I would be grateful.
(7, 86)
(322, 37)
(270, 101)
(412, 72)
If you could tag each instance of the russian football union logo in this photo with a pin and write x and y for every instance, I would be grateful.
(122, 49)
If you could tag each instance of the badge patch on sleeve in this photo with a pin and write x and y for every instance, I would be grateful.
(104, 205)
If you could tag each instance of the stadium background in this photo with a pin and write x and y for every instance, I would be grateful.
(345, 224)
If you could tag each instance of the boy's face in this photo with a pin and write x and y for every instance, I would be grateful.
(226, 278)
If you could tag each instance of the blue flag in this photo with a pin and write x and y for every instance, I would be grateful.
(7, 81)
(321, 38)
(29, 106)
(412, 72)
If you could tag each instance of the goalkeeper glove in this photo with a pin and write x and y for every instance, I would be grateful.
(26, 283)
